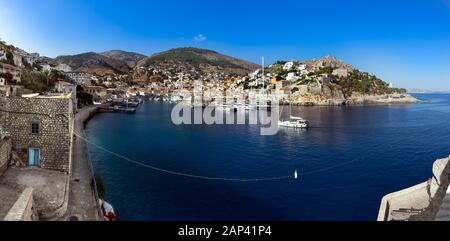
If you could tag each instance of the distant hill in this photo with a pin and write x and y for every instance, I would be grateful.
(130, 58)
(426, 91)
(121, 62)
(204, 60)
(93, 63)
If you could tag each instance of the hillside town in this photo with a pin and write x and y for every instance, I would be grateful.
(327, 81)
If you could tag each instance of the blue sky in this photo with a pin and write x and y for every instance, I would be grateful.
(403, 42)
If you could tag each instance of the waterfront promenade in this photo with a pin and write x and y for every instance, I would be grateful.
(82, 201)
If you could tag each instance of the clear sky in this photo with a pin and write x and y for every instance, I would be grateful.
(403, 42)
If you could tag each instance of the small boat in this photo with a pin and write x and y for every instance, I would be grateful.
(295, 122)
(295, 174)
(96, 103)
(108, 211)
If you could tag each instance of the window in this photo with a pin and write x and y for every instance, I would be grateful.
(35, 128)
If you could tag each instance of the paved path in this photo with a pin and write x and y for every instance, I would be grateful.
(444, 211)
(82, 203)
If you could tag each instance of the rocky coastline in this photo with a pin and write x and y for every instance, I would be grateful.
(311, 99)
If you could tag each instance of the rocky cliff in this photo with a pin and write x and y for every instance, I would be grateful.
(328, 81)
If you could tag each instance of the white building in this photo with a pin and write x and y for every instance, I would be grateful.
(292, 76)
(31, 58)
(301, 67)
(27, 57)
(288, 65)
(65, 87)
(80, 78)
(63, 68)
(254, 74)
(46, 67)
(303, 72)
(2, 55)
(341, 72)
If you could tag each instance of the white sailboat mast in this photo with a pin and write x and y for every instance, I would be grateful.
(262, 66)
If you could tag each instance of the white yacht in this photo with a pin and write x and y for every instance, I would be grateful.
(294, 122)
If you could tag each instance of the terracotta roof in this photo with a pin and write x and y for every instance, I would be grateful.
(8, 66)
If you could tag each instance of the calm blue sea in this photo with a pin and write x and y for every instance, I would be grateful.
(353, 157)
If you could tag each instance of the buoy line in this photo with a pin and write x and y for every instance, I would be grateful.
(295, 175)
(181, 173)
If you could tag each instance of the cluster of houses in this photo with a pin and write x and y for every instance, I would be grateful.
(278, 81)
(13, 71)
(282, 79)
(10, 68)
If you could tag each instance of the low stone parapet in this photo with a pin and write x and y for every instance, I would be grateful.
(22, 210)
(5, 154)
(421, 200)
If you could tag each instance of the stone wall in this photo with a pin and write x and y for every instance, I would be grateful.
(424, 198)
(55, 119)
(5, 154)
(22, 209)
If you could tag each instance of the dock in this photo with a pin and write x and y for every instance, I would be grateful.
(117, 109)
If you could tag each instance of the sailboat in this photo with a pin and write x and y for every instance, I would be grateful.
(294, 121)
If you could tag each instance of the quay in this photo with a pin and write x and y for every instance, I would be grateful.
(117, 109)
(83, 200)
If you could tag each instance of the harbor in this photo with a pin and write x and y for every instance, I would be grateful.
(346, 146)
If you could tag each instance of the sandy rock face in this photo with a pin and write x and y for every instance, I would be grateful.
(396, 98)
(332, 95)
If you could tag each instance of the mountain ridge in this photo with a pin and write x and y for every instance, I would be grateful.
(203, 59)
(130, 58)
(92, 62)
(124, 62)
